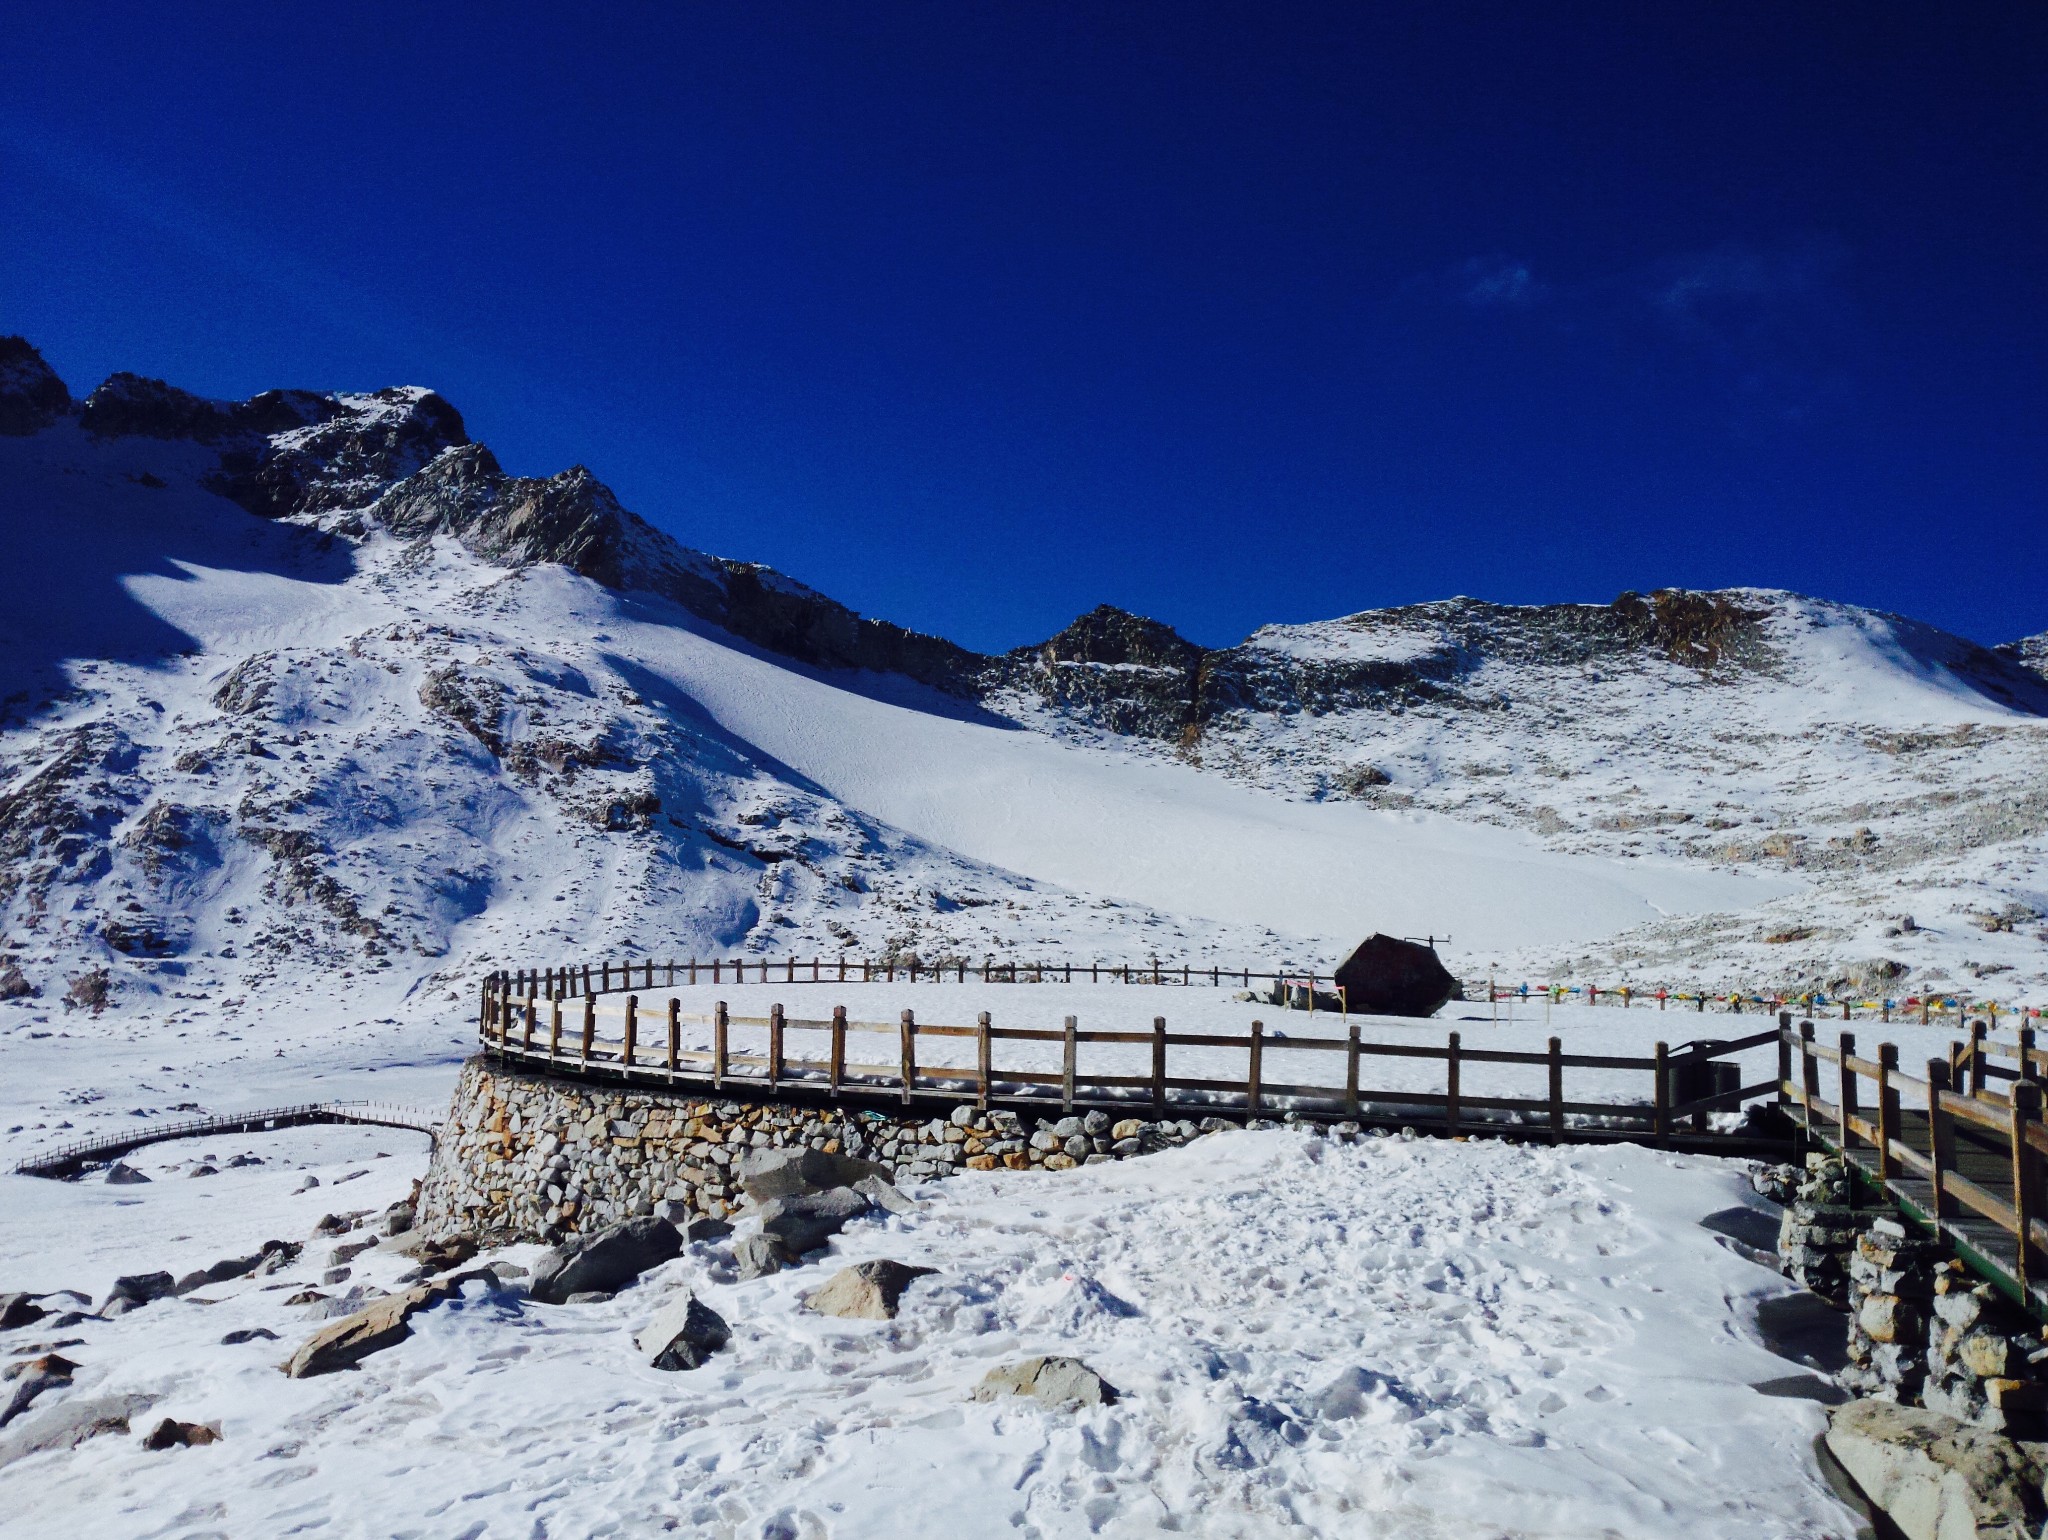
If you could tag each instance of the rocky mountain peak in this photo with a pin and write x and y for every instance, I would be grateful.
(1116, 637)
(31, 395)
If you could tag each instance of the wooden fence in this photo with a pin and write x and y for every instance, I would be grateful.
(841, 1059)
(69, 1159)
(1960, 1147)
(617, 977)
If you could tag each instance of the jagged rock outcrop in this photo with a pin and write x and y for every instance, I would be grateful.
(2029, 652)
(31, 395)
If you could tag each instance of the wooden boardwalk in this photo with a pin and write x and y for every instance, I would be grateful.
(1961, 1149)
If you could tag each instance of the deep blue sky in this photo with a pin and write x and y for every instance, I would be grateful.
(977, 315)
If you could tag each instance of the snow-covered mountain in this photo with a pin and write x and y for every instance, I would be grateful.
(304, 689)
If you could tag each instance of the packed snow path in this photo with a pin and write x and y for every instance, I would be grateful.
(1395, 1338)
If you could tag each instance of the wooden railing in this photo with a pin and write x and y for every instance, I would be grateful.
(68, 1159)
(843, 1059)
(1961, 1145)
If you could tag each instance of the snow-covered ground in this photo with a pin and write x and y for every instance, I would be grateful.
(1400, 1338)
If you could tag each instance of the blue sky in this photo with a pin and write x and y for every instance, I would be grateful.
(977, 316)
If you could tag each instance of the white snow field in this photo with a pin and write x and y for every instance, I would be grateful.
(1166, 835)
(1391, 1338)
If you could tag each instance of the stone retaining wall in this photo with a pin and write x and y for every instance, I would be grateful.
(526, 1157)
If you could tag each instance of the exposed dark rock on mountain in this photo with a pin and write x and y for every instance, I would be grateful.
(2029, 652)
(1114, 669)
(31, 395)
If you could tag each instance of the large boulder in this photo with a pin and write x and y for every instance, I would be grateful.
(70, 1423)
(381, 1324)
(17, 1309)
(1061, 1382)
(1390, 977)
(605, 1262)
(766, 1174)
(866, 1291)
(804, 1221)
(683, 1334)
(1936, 1478)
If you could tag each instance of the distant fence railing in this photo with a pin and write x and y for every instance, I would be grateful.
(907, 1061)
(69, 1159)
(616, 977)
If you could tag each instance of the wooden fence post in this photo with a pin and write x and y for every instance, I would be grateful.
(983, 1055)
(1256, 1068)
(675, 1033)
(555, 1029)
(838, 1071)
(532, 1007)
(775, 1022)
(1887, 1111)
(907, 1030)
(1556, 1091)
(589, 1024)
(1785, 1091)
(632, 1030)
(1660, 1097)
(842, 967)
(1068, 1047)
(2026, 1179)
(1454, 1078)
(721, 1040)
(1809, 1073)
(1977, 1056)
(1941, 1140)
(1351, 1071)
(1846, 1102)
(1159, 1066)
(717, 971)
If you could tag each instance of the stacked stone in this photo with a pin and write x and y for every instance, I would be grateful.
(525, 1157)
(1892, 1281)
(1986, 1362)
(1818, 1232)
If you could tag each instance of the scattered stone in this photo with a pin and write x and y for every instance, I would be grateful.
(31, 1377)
(591, 1297)
(335, 1275)
(173, 1434)
(19, 1310)
(121, 1174)
(248, 1334)
(609, 1260)
(333, 1224)
(1935, 1477)
(1067, 1383)
(306, 1297)
(866, 1291)
(204, 1171)
(683, 1334)
(707, 1232)
(135, 1290)
(757, 1256)
(399, 1218)
(381, 1325)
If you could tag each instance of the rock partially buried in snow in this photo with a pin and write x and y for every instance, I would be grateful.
(683, 1334)
(382, 1324)
(19, 1310)
(757, 1256)
(765, 1174)
(121, 1174)
(1062, 1382)
(70, 1424)
(134, 1290)
(1936, 1478)
(866, 1291)
(173, 1434)
(605, 1262)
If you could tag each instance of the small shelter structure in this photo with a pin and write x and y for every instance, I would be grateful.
(1387, 976)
